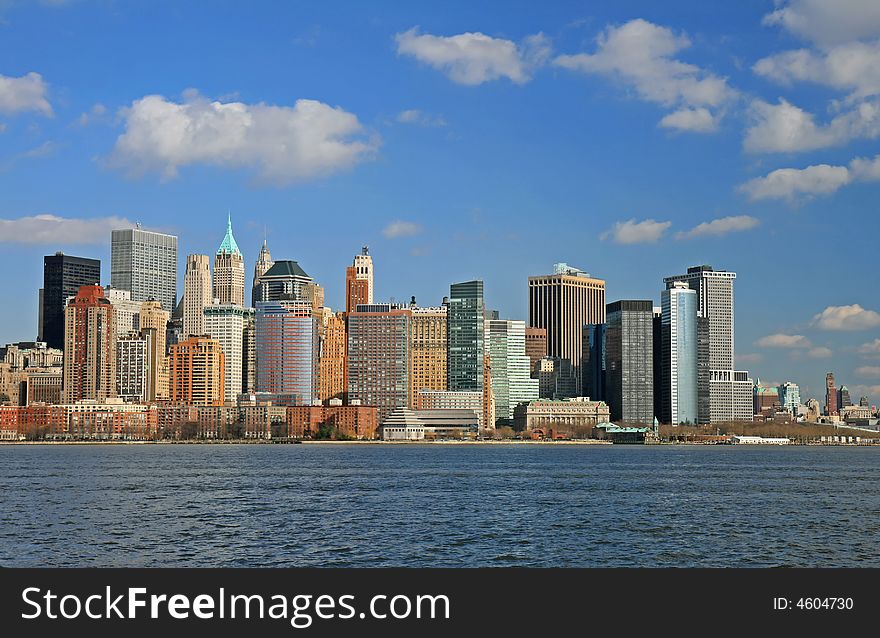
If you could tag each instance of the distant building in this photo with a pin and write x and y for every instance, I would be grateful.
(629, 361)
(132, 363)
(405, 424)
(843, 398)
(197, 371)
(145, 263)
(331, 374)
(285, 280)
(679, 352)
(593, 361)
(349, 421)
(286, 340)
(789, 396)
(765, 399)
(63, 275)
(126, 311)
(830, 395)
(465, 317)
(359, 284)
(570, 415)
(263, 264)
(196, 294)
(428, 350)
(536, 346)
(228, 323)
(452, 400)
(229, 271)
(89, 346)
(154, 322)
(556, 378)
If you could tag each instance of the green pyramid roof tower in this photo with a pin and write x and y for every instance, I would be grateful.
(228, 244)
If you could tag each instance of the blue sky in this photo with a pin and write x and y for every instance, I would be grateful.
(631, 139)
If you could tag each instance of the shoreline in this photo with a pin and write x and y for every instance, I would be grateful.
(587, 442)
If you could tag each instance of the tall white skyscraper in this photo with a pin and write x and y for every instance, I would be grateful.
(511, 367)
(679, 354)
(229, 270)
(229, 324)
(196, 294)
(145, 263)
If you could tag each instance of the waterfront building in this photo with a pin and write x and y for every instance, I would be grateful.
(228, 323)
(62, 277)
(31, 354)
(453, 400)
(132, 363)
(229, 271)
(576, 415)
(536, 346)
(126, 311)
(197, 375)
(679, 354)
(766, 399)
(789, 396)
(629, 372)
(465, 317)
(830, 395)
(263, 264)
(285, 280)
(196, 294)
(144, 263)
(511, 381)
(335, 419)
(100, 420)
(378, 357)
(286, 343)
(730, 396)
(154, 324)
(428, 350)
(89, 346)
(556, 378)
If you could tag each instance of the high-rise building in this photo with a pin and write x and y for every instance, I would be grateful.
(286, 339)
(592, 371)
(145, 263)
(563, 303)
(89, 346)
(556, 378)
(659, 390)
(679, 352)
(62, 277)
(730, 396)
(789, 396)
(831, 407)
(132, 363)
(264, 263)
(229, 270)
(154, 322)
(843, 398)
(126, 311)
(511, 382)
(864, 402)
(285, 280)
(465, 336)
(249, 353)
(197, 371)
(227, 323)
(428, 351)
(536, 346)
(196, 294)
(331, 373)
(359, 281)
(378, 357)
(629, 360)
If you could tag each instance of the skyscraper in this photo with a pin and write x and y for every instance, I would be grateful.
(196, 294)
(197, 371)
(428, 351)
(227, 323)
(132, 366)
(593, 362)
(359, 281)
(629, 345)
(563, 303)
(789, 396)
(154, 321)
(145, 263)
(264, 263)
(229, 270)
(843, 398)
(331, 373)
(536, 346)
(378, 357)
(285, 280)
(679, 335)
(126, 311)
(62, 277)
(511, 381)
(89, 346)
(831, 407)
(286, 342)
(466, 334)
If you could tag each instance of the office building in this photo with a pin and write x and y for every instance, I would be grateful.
(197, 371)
(378, 357)
(629, 361)
(679, 354)
(249, 353)
(145, 263)
(563, 303)
(452, 400)
(89, 346)
(285, 280)
(196, 294)
(331, 373)
(576, 416)
(428, 350)
(843, 398)
(62, 277)
(132, 363)
(556, 378)
(465, 336)
(286, 341)
(831, 396)
(592, 370)
(511, 381)
(536, 346)
(227, 323)
(154, 324)
(359, 282)
(730, 396)
(229, 271)
(126, 311)
(263, 264)
(789, 395)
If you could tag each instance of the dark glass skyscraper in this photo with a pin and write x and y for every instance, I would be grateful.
(629, 342)
(62, 277)
(593, 362)
(465, 339)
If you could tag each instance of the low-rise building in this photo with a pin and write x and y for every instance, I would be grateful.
(332, 421)
(576, 415)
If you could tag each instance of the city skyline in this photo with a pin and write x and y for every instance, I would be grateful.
(496, 176)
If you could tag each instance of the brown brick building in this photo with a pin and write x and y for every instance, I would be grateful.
(197, 371)
(354, 421)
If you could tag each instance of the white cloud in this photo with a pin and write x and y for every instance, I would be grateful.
(97, 112)
(475, 58)
(698, 120)
(282, 144)
(52, 229)
(720, 226)
(26, 93)
(852, 317)
(868, 371)
(754, 357)
(401, 228)
(780, 340)
(784, 127)
(633, 232)
(819, 353)
(641, 55)
(870, 349)
(792, 183)
(827, 22)
(420, 118)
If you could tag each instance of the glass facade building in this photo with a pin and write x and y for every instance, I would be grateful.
(511, 382)
(145, 263)
(62, 277)
(679, 351)
(286, 349)
(465, 340)
(629, 343)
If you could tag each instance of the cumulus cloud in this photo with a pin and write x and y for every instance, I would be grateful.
(780, 340)
(97, 112)
(792, 183)
(870, 349)
(720, 226)
(852, 317)
(26, 93)
(754, 357)
(868, 371)
(819, 353)
(633, 232)
(641, 55)
(827, 22)
(475, 58)
(401, 228)
(52, 229)
(420, 118)
(283, 144)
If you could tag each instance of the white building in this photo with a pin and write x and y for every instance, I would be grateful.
(126, 311)
(731, 396)
(363, 269)
(132, 364)
(452, 400)
(511, 380)
(230, 325)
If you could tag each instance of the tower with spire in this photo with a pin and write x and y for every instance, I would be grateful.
(229, 270)
(264, 263)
